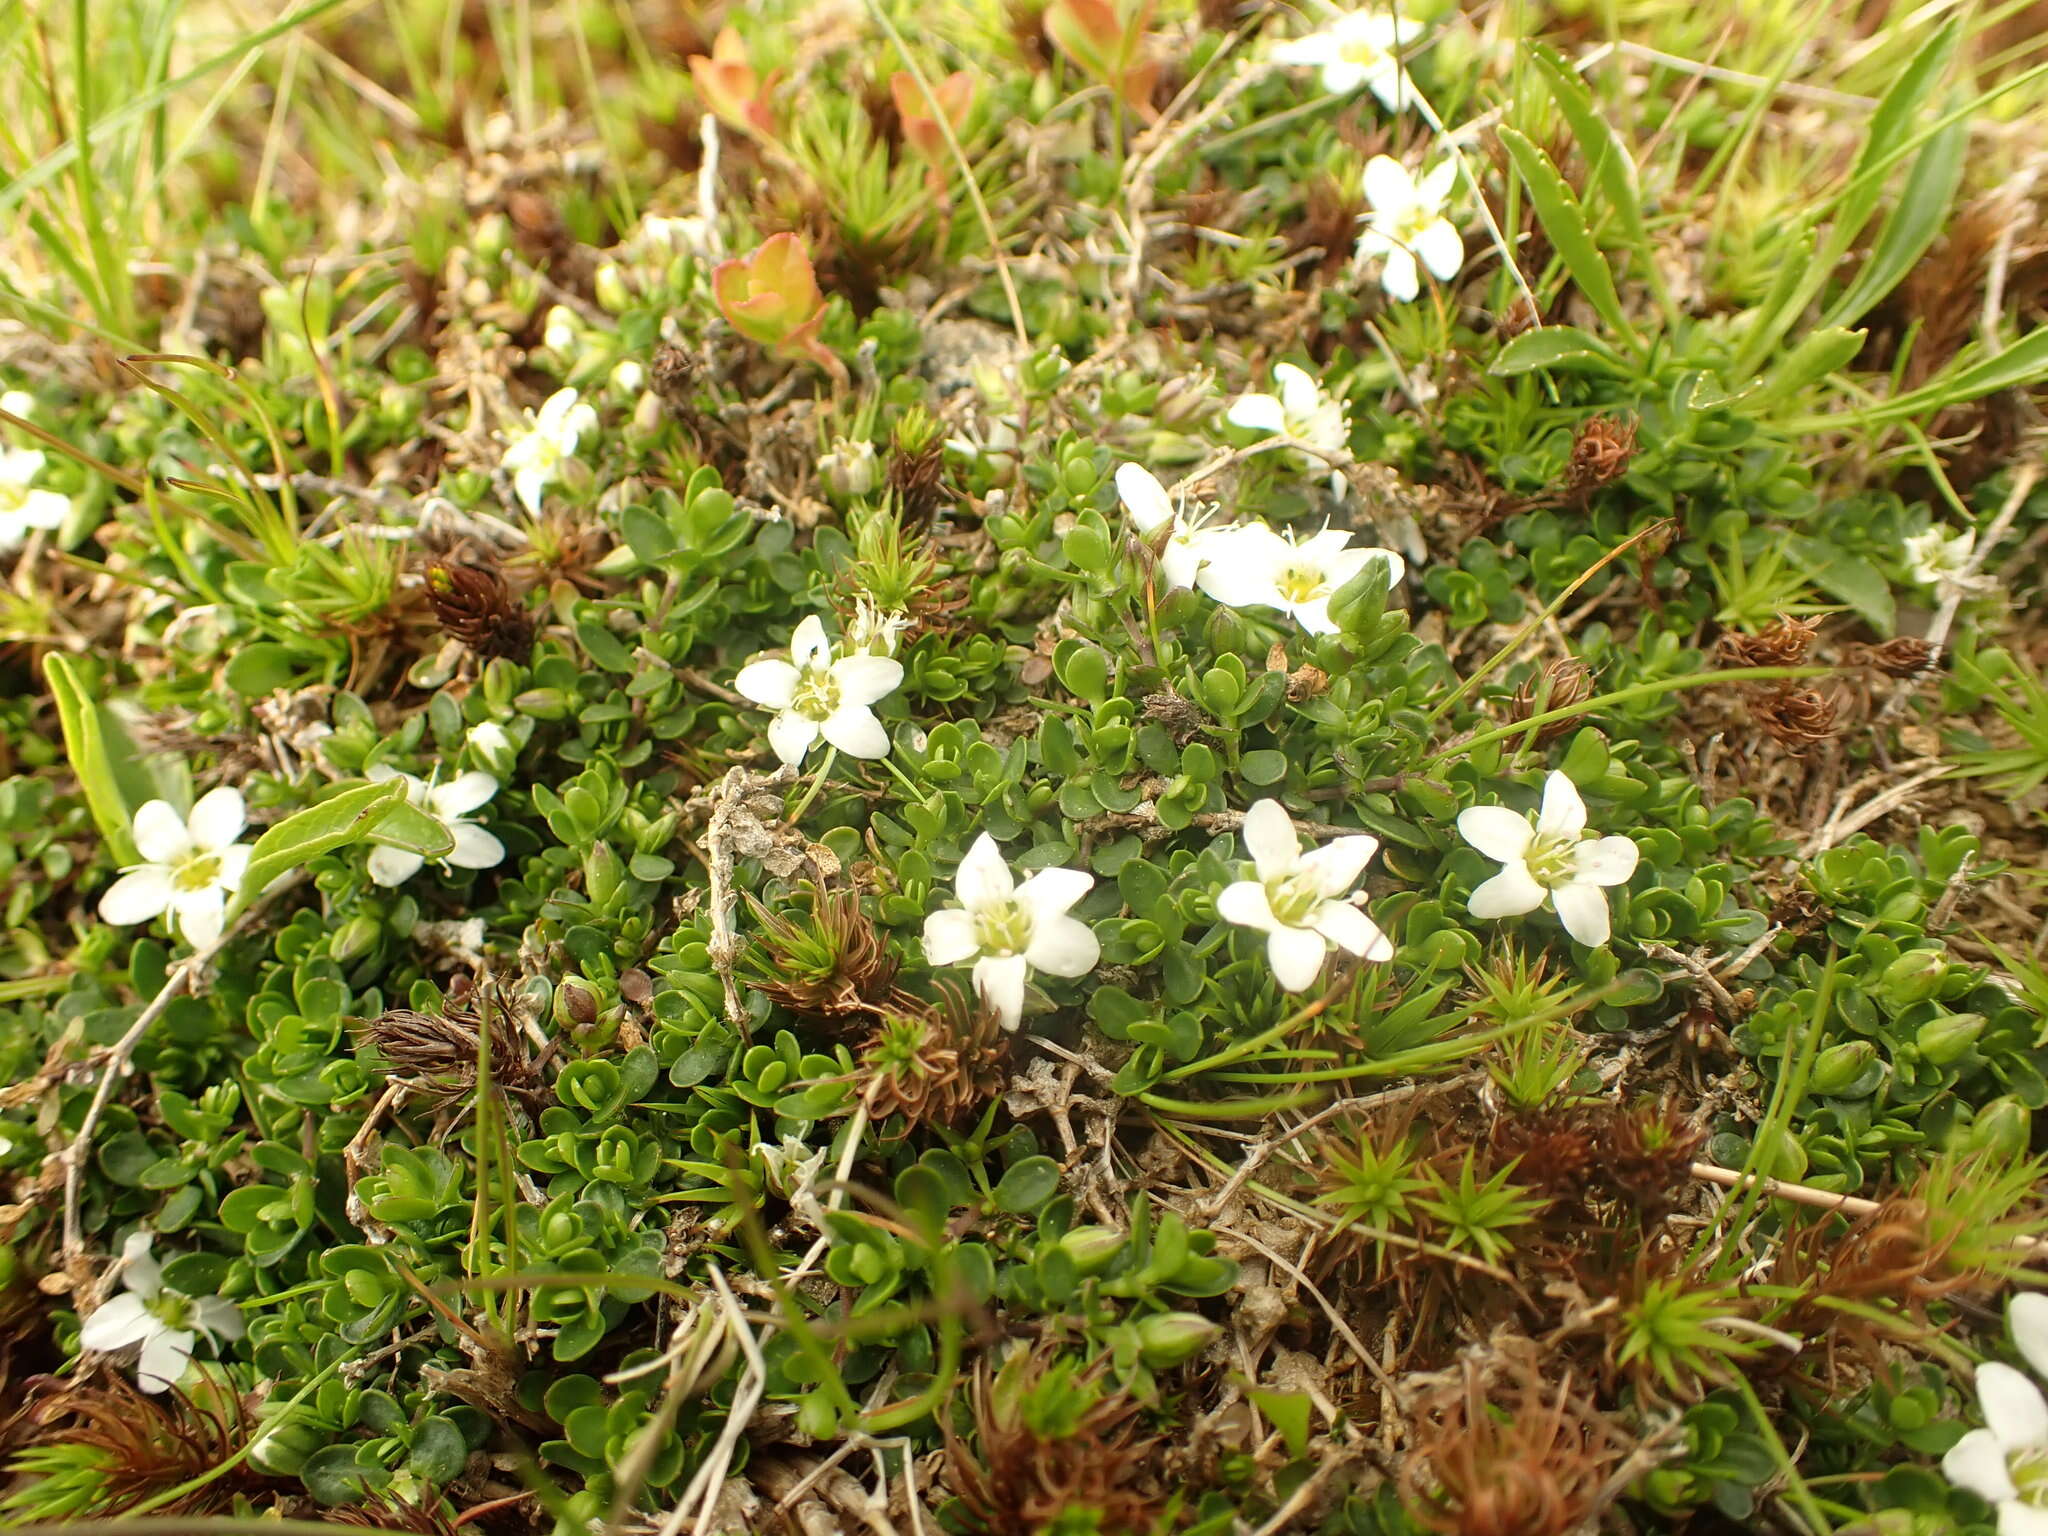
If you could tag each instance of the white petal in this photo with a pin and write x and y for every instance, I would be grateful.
(2017, 1519)
(393, 866)
(1392, 84)
(1063, 946)
(949, 938)
(1399, 277)
(2029, 1318)
(1351, 930)
(18, 466)
(234, 867)
(2013, 1409)
(1583, 911)
(808, 645)
(1299, 394)
(1316, 48)
(1341, 77)
(45, 509)
(1240, 566)
(1143, 497)
(1977, 1463)
(1050, 892)
(1000, 981)
(771, 683)
(1339, 862)
(1496, 831)
(1314, 616)
(462, 794)
(160, 833)
(1397, 568)
(865, 679)
(854, 730)
(116, 1325)
(1270, 839)
(1244, 903)
(531, 486)
(1388, 186)
(1180, 562)
(1441, 250)
(140, 896)
(791, 735)
(201, 915)
(1296, 955)
(1606, 860)
(474, 847)
(1257, 413)
(983, 879)
(165, 1353)
(1508, 894)
(1563, 813)
(218, 819)
(219, 1316)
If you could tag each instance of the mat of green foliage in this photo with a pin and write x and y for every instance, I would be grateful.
(1006, 767)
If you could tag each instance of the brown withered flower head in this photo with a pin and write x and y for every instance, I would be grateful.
(145, 1445)
(438, 1055)
(832, 964)
(1601, 452)
(1902, 657)
(1527, 1459)
(933, 1064)
(917, 480)
(1787, 642)
(1562, 684)
(1647, 1152)
(1795, 718)
(474, 604)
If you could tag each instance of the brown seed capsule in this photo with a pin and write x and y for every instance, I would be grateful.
(1600, 453)
(474, 604)
(1786, 643)
(673, 373)
(917, 477)
(1563, 684)
(1902, 657)
(1794, 717)
(1516, 318)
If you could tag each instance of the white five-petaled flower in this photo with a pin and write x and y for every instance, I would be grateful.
(1255, 567)
(2006, 1462)
(1551, 859)
(166, 1323)
(817, 695)
(22, 506)
(1189, 546)
(1938, 556)
(1302, 902)
(450, 805)
(191, 866)
(1359, 48)
(535, 457)
(1301, 411)
(1010, 930)
(1407, 224)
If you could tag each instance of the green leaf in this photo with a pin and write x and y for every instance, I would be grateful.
(1892, 124)
(406, 826)
(438, 1451)
(1849, 577)
(1027, 1185)
(1610, 167)
(1916, 219)
(2019, 366)
(648, 533)
(101, 753)
(333, 823)
(1557, 346)
(258, 670)
(1817, 355)
(1290, 1413)
(1564, 221)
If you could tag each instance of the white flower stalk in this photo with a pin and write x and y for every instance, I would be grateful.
(535, 458)
(1937, 557)
(166, 1323)
(23, 508)
(816, 695)
(1304, 903)
(1407, 225)
(450, 805)
(191, 867)
(875, 632)
(1300, 411)
(1008, 930)
(1190, 546)
(1553, 859)
(2006, 1462)
(1254, 567)
(1359, 48)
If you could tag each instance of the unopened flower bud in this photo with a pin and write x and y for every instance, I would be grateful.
(1168, 1338)
(613, 296)
(851, 468)
(1945, 1041)
(1092, 1247)
(561, 333)
(1837, 1068)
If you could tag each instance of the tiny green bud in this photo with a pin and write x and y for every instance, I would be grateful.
(1168, 1338)
(2003, 1128)
(1945, 1041)
(355, 938)
(543, 703)
(613, 296)
(575, 1003)
(1837, 1068)
(1079, 475)
(1914, 977)
(1092, 1247)
(493, 237)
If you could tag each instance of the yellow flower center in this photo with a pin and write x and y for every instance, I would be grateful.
(1003, 928)
(1294, 898)
(197, 872)
(817, 694)
(1300, 583)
